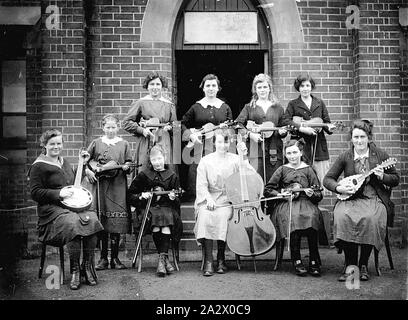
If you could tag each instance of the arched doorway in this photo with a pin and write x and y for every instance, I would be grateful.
(235, 56)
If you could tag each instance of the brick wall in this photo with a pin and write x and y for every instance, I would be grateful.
(404, 121)
(119, 62)
(63, 76)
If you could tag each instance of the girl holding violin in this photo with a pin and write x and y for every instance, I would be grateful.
(304, 218)
(307, 107)
(211, 216)
(110, 192)
(153, 106)
(209, 109)
(265, 151)
(164, 211)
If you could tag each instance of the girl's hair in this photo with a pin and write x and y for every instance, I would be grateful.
(110, 116)
(262, 77)
(210, 76)
(154, 75)
(225, 133)
(301, 78)
(298, 143)
(47, 135)
(365, 125)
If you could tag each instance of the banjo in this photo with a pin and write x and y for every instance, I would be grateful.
(81, 198)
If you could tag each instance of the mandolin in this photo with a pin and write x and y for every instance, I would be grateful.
(357, 180)
(81, 198)
(109, 169)
(206, 130)
(317, 123)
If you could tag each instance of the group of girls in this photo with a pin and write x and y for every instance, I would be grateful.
(301, 162)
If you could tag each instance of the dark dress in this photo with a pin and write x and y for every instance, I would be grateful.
(57, 225)
(114, 210)
(273, 144)
(363, 217)
(148, 108)
(163, 211)
(197, 116)
(305, 212)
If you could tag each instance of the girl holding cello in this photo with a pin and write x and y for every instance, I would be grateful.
(304, 217)
(211, 217)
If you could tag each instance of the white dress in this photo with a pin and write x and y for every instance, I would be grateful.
(212, 172)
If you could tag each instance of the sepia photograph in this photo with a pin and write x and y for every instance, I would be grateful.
(202, 157)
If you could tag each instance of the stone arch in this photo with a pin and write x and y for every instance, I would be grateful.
(282, 16)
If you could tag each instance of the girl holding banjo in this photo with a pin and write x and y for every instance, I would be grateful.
(49, 177)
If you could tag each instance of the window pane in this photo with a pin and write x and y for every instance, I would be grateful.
(13, 76)
(14, 126)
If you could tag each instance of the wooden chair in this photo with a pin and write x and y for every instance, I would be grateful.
(61, 255)
(280, 248)
(376, 252)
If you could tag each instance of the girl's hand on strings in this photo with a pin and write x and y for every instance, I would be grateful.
(90, 175)
(145, 195)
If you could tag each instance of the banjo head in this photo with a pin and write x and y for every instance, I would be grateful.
(80, 200)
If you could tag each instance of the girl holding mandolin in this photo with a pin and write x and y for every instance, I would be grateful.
(211, 213)
(308, 108)
(209, 110)
(265, 149)
(361, 219)
(164, 211)
(303, 219)
(153, 107)
(50, 174)
(109, 190)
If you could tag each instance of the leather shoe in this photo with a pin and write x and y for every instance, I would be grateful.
(222, 267)
(75, 280)
(364, 276)
(300, 269)
(102, 264)
(115, 263)
(314, 269)
(208, 269)
(169, 267)
(161, 268)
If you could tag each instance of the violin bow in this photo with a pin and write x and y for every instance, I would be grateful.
(139, 237)
(264, 167)
(314, 150)
(290, 218)
(250, 202)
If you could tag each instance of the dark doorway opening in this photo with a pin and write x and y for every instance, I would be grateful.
(235, 69)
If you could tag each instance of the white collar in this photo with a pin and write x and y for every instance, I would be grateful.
(111, 142)
(45, 159)
(302, 165)
(357, 156)
(148, 97)
(217, 103)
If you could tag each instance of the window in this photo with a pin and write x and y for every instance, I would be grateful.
(13, 128)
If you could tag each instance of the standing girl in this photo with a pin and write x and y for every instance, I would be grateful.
(307, 107)
(164, 210)
(111, 196)
(304, 220)
(264, 106)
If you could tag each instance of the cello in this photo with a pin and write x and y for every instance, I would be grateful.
(250, 232)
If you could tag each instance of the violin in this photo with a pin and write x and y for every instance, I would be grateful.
(317, 122)
(250, 232)
(296, 188)
(206, 131)
(267, 128)
(109, 169)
